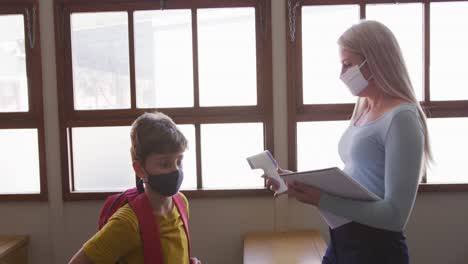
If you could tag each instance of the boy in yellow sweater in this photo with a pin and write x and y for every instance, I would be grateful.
(157, 154)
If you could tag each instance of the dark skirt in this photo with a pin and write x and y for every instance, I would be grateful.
(354, 243)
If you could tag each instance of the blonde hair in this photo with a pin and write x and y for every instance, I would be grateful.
(376, 43)
(155, 133)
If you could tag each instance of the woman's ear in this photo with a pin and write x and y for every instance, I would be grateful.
(366, 72)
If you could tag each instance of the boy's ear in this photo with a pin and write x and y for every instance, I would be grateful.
(137, 167)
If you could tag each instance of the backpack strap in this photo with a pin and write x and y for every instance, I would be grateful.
(182, 208)
(149, 229)
(113, 203)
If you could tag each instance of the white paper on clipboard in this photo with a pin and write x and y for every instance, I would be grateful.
(333, 181)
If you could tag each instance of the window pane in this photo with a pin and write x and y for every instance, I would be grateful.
(321, 65)
(227, 56)
(317, 144)
(100, 60)
(449, 75)
(190, 162)
(225, 148)
(163, 58)
(405, 21)
(13, 78)
(449, 145)
(101, 159)
(20, 161)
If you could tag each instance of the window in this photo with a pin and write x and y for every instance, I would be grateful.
(21, 115)
(207, 64)
(431, 35)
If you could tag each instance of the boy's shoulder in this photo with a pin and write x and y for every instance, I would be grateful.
(125, 214)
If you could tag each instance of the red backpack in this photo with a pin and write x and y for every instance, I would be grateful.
(149, 230)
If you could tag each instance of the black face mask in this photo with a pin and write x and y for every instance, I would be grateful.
(166, 184)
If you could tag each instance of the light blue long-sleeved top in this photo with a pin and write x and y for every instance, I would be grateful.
(386, 156)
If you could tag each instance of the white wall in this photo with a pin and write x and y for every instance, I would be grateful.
(436, 231)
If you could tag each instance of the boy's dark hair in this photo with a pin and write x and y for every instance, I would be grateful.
(155, 133)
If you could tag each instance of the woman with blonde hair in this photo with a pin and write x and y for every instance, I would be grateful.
(385, 148)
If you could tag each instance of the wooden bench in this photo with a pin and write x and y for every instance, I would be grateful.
(294, 247)
(13, 249)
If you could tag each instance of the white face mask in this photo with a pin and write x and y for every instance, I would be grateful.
(354, 79)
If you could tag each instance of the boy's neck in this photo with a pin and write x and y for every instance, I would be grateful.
(160, 204)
